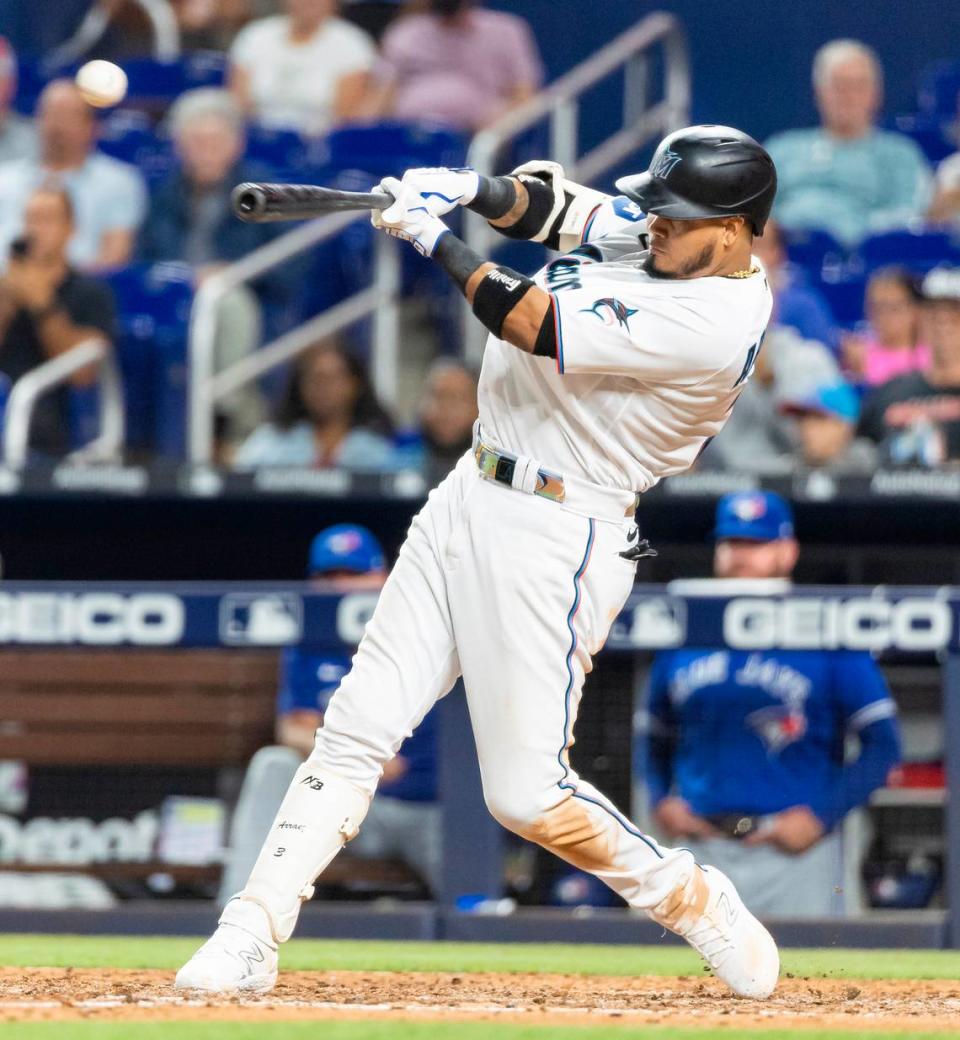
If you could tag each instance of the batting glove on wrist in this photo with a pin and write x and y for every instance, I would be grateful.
(442, 189)
(409, 218)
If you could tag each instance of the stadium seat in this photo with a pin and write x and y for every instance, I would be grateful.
(812, 249)
(938, 88)
(285, 154)
(844, 291)
(386, 149)
(153, 303)
(918, 249)
(127, 134)
(930, 132)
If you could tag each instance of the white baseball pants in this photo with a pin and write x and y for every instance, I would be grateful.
(514, 592)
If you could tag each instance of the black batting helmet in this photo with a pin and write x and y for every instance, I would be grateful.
(706, 171)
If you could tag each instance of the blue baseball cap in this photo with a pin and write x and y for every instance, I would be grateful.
(760, 516)
(345, 547)
(837, 399)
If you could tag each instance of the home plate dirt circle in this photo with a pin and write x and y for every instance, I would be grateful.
(37, 994)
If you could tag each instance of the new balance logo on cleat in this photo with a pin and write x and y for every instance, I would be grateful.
(728, 910)
(251, 957)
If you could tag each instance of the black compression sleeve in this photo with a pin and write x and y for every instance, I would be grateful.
(496, 196)
(546, 345)
(457, 259)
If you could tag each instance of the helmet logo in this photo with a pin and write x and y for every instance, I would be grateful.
(662, 167)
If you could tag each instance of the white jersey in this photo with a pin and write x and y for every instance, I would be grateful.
(647, 369)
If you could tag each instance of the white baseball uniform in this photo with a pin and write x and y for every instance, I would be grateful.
(516, 592)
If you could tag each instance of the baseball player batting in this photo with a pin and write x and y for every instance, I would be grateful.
(608, 370)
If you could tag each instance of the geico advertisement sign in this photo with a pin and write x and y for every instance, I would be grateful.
(824, 624)
(95, 618)
(353, 613)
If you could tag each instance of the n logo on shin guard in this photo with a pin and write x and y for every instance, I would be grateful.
(313, 782)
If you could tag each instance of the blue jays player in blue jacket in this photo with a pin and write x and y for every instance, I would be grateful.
(405, 821)
(745, 749)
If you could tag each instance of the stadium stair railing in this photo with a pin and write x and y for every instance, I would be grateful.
(378, 300)
(29, 388)
(642, 122)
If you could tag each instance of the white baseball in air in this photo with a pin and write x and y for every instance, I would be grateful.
(102, 83)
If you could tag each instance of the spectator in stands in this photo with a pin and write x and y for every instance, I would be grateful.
(847, 176)
(329, 416)
(758, 437)
(825, 426)
(456, 63)
(745, 749)
(190, 220)
(448, 410)
(210, 24)
(109, 197)
(796, 303)
(18, 139)
(892, 344)
(403, 821)
(306, 70)
(945, 208)
(46, 308)
(916, 417)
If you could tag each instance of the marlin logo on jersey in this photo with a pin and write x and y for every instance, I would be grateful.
(778, 727)
(609, 310)
(666, 163)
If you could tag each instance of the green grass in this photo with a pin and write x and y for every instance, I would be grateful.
(394, 1030)
(57, 951)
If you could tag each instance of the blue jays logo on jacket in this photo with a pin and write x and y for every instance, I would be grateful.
(609, 310)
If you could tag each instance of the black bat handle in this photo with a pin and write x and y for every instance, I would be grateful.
(258, 203)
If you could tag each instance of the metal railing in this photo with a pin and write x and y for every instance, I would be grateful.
(29, 388)
(163, 22)
(207, 387)
(560, 104)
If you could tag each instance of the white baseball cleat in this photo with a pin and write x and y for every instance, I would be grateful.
(707, 911)
(240, 956)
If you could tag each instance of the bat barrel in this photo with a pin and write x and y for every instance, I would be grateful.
(260, 203)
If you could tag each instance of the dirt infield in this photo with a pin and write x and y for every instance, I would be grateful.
(36, 994)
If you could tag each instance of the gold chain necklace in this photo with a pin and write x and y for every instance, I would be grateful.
(746, 273)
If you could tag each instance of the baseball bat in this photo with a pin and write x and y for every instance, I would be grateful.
(259, 203)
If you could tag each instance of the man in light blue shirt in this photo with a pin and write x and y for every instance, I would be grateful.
(17, 135)
(846, 176)
(109, 197)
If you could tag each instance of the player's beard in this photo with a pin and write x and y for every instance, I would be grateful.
(688, 269)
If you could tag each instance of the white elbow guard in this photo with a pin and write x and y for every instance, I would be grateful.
(549, 173)
(582, 205)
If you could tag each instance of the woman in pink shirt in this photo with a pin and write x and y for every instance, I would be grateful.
(455, 62)
(892, 343)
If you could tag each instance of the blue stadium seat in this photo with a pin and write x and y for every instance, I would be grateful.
(285, 154)
(387, 149)
(919, 250)
(930, 132)
(153, 83)
(153, 302)
(812, 249)
(844, 292)
(938, 89)
(127, 134)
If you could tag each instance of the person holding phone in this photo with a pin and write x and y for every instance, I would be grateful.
(46, 308)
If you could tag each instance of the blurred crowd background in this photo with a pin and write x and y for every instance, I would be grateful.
(111, 219)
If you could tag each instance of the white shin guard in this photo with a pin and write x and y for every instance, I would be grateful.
(319, 814)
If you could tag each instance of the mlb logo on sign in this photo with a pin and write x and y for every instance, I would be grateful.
(268, 619)
(659, 622)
